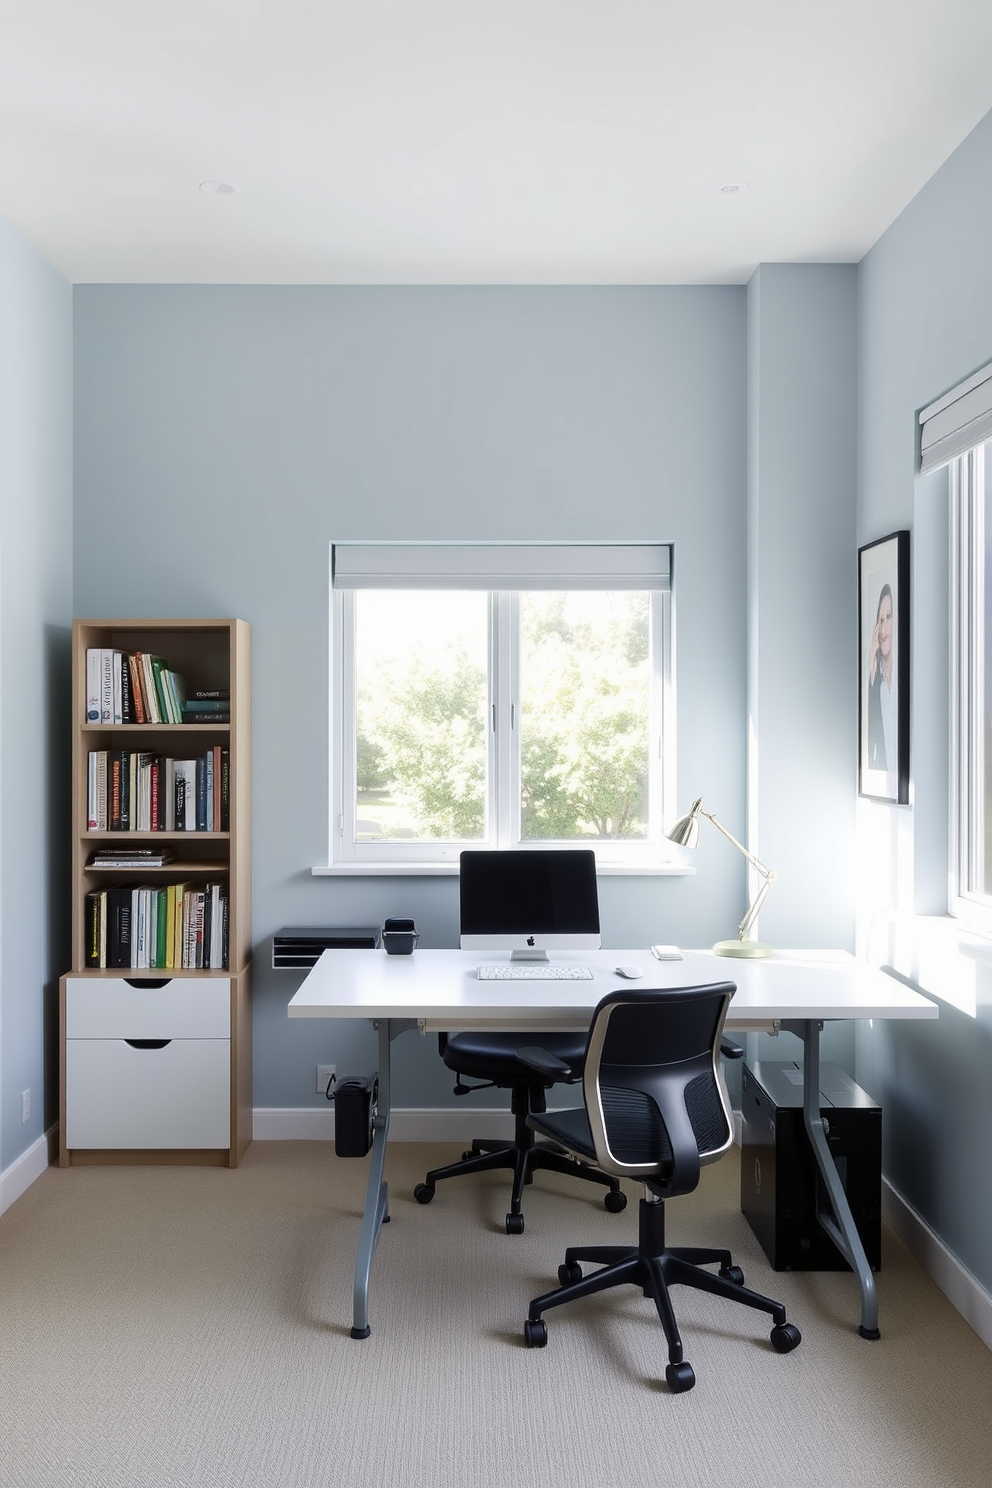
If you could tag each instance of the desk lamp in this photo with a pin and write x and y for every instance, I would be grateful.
(685, 833)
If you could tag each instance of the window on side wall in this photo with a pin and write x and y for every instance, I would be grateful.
(971, 686)
(500, 696)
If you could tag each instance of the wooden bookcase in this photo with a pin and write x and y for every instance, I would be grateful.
(155, 1063)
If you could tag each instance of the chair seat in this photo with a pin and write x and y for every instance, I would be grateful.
(493, 1056)
(568, 1128)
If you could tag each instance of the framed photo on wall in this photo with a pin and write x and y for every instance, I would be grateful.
(883, 670)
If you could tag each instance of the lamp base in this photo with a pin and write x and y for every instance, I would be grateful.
(753, 949)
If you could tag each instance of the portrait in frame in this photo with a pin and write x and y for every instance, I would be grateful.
(883, 670)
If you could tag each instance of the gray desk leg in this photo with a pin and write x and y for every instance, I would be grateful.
(376, 1212)
(840, 1225)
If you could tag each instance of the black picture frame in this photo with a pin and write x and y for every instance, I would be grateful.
(883, 690)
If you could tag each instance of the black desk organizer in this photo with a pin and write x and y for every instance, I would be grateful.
(300, 948)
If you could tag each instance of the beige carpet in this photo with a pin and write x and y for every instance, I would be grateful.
(167, 1327)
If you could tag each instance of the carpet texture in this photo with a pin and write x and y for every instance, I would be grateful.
(189, 1328)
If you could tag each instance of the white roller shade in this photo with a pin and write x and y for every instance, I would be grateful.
(957, 422)
(501, 566)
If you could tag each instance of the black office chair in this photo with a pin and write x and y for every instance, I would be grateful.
(493, 1058)
(656, 1109)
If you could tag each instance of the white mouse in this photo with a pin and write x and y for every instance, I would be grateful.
(630, 972)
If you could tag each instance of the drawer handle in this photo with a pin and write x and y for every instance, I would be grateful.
(148, 1043)
(154, 983)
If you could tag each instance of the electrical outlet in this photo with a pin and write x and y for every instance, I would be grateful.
(325, 1073)
(25, 1105)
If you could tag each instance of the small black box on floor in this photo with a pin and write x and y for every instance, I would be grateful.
(781, 1185)
(355, 1109)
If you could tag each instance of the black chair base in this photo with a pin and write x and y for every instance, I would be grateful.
(655, 1268)
(525, 1156)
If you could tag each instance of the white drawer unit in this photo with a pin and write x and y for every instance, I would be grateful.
(147, 1065)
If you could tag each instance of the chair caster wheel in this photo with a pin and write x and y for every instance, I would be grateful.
(615, 1202)
(785, 1337)
(535, 1333)
(514, 1224)
(569, 1272)
(680, 1378)
(423, 1193)
(732, 1273)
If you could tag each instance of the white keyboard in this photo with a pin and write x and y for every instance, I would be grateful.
(538, 972)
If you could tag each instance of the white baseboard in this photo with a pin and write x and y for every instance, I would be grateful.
(961, 1289)
(18, 1178)
(290, 1124)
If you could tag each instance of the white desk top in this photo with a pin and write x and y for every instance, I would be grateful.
(440, 988)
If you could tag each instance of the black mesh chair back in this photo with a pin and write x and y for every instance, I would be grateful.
(655, 1098)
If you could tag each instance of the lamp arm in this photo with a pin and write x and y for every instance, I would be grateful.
(746, 924)
(768, 874)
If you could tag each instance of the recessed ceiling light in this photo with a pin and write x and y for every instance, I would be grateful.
(732, 188)
(218, 188)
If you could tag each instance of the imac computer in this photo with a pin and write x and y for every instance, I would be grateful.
(529, 903)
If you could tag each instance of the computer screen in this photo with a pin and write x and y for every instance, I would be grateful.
(528, 903)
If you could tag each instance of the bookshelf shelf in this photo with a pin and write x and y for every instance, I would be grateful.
(137, 929)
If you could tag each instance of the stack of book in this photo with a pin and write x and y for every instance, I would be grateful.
(208, 705)
(131, 687)
(178, 926)
(130, 857)
(134, 790)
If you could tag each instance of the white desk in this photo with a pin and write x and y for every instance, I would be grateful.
(439, 990)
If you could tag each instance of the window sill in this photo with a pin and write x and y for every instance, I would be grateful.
(945, 958)
(450, 870)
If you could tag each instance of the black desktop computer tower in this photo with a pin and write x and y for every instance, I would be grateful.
(781, 1185)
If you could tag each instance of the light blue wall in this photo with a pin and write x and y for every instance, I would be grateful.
(224, 436)
(925, 323)
(35, 620)
(802, 707)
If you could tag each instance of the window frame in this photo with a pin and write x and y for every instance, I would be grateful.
(966, 745)
(346, 854)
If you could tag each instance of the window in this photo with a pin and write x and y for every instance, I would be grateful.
(971, 710)
(500, 696)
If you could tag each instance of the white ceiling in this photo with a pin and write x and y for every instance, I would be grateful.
(475, 141)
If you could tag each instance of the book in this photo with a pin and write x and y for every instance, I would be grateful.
(106, 685)
(161, 692)
(193, 715)
(225, 790)
(131, 860)
(206, 694)
(91, 791)
(127, 699)
(216, 754)
(94, 914)
(152, 714)
(117, 675)
(96, 791)
(119, 926)
(177, 693)
(94, 683)
(198, 704)
(185, 774)
(137, 689)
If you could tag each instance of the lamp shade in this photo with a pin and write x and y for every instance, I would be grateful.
(685, 832)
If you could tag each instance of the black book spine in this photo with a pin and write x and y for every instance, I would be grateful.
(225, 790)
(127, 698)
(201, 795)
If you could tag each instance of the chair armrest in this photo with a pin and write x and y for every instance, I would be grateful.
(730, 1050)
(545, 1063)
